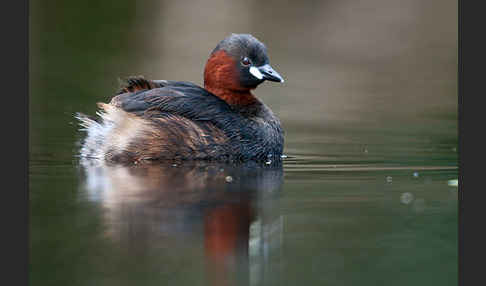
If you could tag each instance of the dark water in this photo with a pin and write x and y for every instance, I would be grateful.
(365, 197)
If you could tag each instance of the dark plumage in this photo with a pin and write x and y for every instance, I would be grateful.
(172, 120)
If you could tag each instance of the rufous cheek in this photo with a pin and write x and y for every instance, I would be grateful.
(221, 71)
(221, 78)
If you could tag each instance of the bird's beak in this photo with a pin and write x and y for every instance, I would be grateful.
(266, 72)
(270, 74)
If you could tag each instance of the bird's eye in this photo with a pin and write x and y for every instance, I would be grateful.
(245, 61)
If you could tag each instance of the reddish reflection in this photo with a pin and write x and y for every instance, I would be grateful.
(226, 230)
(226, 237)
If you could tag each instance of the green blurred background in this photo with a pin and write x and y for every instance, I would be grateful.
(368, 65)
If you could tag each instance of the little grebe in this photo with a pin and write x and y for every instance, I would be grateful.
(174, 120)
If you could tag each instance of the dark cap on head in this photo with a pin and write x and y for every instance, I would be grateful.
(241, 45)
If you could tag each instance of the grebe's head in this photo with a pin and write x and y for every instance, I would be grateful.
(239, 63)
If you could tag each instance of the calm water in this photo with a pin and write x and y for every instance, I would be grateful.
(366, 195)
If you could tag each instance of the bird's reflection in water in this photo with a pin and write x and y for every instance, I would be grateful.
(231, 211)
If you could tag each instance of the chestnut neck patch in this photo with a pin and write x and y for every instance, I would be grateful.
(221, 78)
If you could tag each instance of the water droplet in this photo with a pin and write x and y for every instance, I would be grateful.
(268, 162)
(406, 198)
(229, 179)
(389, 179)
(453, 183)
(415, 174)
(283, 156)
